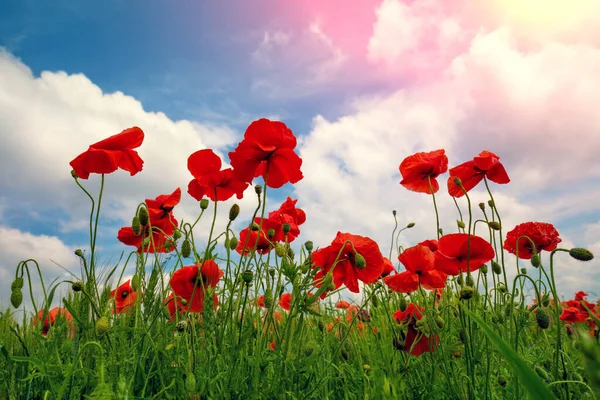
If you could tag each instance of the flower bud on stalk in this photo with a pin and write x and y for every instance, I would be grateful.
(176, 234)
(233, 242)
(279, 250)
(135, 282)
(102, 325)
(190, 383)
(186, 248)
(469, 280)
(542, 318)
(16, 298)
(143, 216)
(247, 276)
(271, 233)
(494, 225)
(496, 268)
(136, 225)
(286, 228)
(17, 283)
(234, 211)
(482, 206)
(410, 225)
(268, 298)
(535, 260)
(460, 224)
(466, 293)
(360, 261)
(258, 189)
(204, 204)
(484, 269)
(581, 254)
(308, 245)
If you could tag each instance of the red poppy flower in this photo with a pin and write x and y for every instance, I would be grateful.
(160, 211)
(487, 164)
(342, 304)
(573, 314)
(285, 301)
(388, 267)
(581, 295)
(159, 243)
(420, 269)
(543, 235)
(410, 314)
(110, 154)
(419, 168)
(205, 166)
(174, 306)
(51, 318)
(288, 207)
(346, 270)
(124, 297)
(193, 281)
(261, 301)
(276, 223)
(267, 150)
(260, 242)
(432, 244)
(416, 343)
(453, 253)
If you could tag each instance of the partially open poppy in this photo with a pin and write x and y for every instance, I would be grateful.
(285, 301)
(110, 154)
(191, 283)
(124, 298)
(51, 318)
(267, 150)
(486, 164)
(420, 168)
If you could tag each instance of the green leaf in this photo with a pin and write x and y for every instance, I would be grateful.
(532, 382)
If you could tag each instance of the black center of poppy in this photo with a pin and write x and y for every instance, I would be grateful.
(351, 258)
(429, 172)
(124, 294)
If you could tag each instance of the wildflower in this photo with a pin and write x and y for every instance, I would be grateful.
(420, 168)
(110, 154)
(191, 282)
(51, 318)
(124, 297)
(457, 253)
(388, 267)
(285, 301)
(342, 304)
(210, 181)
(175, 306)
(470, 173)
(573, 314)
(345, 268)
(420, 270)
(255, 240)
(267, 150)
(415, 342)
(543, 235)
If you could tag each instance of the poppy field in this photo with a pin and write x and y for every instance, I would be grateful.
(468, 314)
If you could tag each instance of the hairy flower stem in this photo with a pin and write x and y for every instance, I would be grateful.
(557, 312)
(393, 232)
(437, 215)
(495, 211)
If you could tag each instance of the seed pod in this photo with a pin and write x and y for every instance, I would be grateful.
(233, 242)
(186, 248)
(247, 276)
(581, 254)
(484, 269)
(204, 204)
(469, 280)
(258, 189)
(16, 298)
(535, 260)
(286, 228)
(542, 318)
(482, 206)
(410, 225)
(308, 245)
(143, 216)
(271, 233)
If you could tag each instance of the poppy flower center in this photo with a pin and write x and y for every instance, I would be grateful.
(125, 294)
(429, 173)
(351, 258)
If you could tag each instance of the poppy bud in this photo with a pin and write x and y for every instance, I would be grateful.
(186, 248)
(286, 228)
(375, 301)
(469, 281)
(102, 325)
(308, 245)
(542, 318)
(394, 213)
(491, 203)
(272, 272)
(581, 254)
(79, 253)
(233, 242)
(203, 204)
(234, 211)
(77, 286)
(279, 250)
(360, 261)
(502, 288)
(190, 383)
(74, 174)
(176, 234)
(258, 189)
(410, 225)
(524, 271)
(484, 269)
(496, 268)
(268, 298)
(17, 283)
(136, 226)
(460, 224)
(459, 280)
(143, 216)
(482, 206)
(16, 298)
(439, 321)
(254, 227)
(135, 282)
(545, 300)
(402, 303)
(184, 302)
(181, 326)
(535, 260)
(466, 292)
(457, 182)
(290, 252)
(494, 225)
(247, 276)
(271, 233)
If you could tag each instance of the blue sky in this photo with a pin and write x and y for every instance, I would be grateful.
(362, 87)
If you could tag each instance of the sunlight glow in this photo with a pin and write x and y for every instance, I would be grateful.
(549, 14)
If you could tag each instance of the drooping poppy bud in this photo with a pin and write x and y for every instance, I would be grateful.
(234, 211)
(466, 292)
(410, 225)
(460, 224)
(102, 325)
(535, 260)
(360, 261)
(143, 216)
(233, 242)
(494, 225)
(136, 225)
(581, 254)
(17, 283)
(135, 282)
(279, 250)
(16, 298)
(190, 383)
(186, 248)
(496, 268)
(542, 318)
